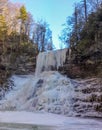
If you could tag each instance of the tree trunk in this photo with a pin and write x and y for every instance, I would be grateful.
(76, 23)
(85, 7)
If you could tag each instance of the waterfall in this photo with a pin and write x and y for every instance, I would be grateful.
(50, 60)
(47, 92)
(52, 92)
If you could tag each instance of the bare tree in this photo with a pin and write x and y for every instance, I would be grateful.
(76, 22)
(85, 8)
(42, 36)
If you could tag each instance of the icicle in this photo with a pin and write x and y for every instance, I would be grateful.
(50, 60)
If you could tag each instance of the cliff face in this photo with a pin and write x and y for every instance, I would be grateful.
(87, 63)
(17, 62)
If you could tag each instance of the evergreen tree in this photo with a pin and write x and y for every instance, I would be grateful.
(3, 32)
(23, 18)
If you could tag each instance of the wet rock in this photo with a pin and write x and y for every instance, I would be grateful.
(39, 83)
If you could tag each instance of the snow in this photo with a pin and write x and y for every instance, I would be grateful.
(47, 119)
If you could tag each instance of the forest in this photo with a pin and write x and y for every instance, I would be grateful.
(21, 38)
(17, 26)
(82, 33)
(84, 25)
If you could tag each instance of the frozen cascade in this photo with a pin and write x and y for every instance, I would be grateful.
(50, 60)
(52, 92)
(47, 92)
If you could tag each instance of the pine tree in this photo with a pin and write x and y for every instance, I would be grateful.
(23, 18)
(3, 31)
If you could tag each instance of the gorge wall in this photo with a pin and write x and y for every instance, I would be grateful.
(16, 62)
(84, 65)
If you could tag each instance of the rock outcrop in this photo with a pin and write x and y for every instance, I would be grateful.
(22, 63)
(86, 64)
(87, 97)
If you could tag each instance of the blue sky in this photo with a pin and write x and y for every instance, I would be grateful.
(53, 11)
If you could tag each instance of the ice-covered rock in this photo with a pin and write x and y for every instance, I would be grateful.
(55, 93)
(49, 92)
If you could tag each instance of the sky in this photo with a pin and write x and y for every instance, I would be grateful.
(54, 12)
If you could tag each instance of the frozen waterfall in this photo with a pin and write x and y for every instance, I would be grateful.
(49, 91)
(50, 60)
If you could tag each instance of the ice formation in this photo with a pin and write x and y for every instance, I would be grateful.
(50, 60)
(52, 92)
(48, 92)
